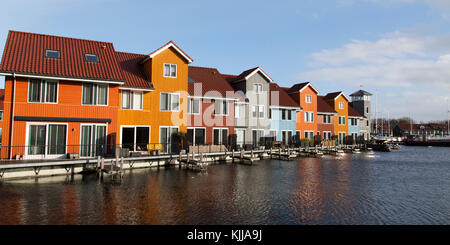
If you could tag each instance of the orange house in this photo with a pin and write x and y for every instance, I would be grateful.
(305, 94)
(339, 102)
(61, 96)
(153, 99)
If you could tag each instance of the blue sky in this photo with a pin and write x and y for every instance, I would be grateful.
(399, 49)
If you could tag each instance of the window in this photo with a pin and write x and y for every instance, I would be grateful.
(341, 105)
(91, 58)
(367, 123)
(135, 138)
(309, 116)
(52, 54)
(193, 106)
(286, 114)
(270, 113)
(169, 102)
(309, 135)
(289, 114)
(341, 120)
(353, 121)
(283, 114)
(46, 139)
(257, 87)
(93, 140)
(237, 110)
(1, 119)
(220, 136)
(132, 100)
(308, 98)
(42, 91)
(327, 119)
(326, 135)
(258, 111)
(170, 70)
(196, 136)
(220, 107)
(166, 138)
(257, 134)
(367, 109)
(95, 94)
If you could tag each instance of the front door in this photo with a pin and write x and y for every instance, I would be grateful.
(93, 140)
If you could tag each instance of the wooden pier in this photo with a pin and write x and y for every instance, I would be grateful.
(115, 167)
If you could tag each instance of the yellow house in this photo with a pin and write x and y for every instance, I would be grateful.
(339, 102)
(153, 100)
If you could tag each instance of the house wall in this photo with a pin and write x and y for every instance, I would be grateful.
(354, 129)
(300, 98)
(68, 106)
(321, 127)
(155, 67)
(279, 125)
(341, 112)
(206, 119)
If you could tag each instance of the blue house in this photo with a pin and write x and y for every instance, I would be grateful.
(282, 114)
(354, 123)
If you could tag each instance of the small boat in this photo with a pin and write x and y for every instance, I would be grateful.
(380, 145)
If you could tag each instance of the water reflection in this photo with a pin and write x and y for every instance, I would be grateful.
(391, 188)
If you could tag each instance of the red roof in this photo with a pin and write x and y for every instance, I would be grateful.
(25, 53)
(168, 45)
(210, 80)
(352, 112)
(323, 106)
(2, 98)
(283, 98)
(133, 72)
(426, 126)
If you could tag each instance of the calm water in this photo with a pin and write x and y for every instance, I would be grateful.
(409, 186)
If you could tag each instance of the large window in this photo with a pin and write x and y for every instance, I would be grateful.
(308, 98)
(170, 70)
(327, 119)
(1, 117)
(167, 138)
(193, 106)
(42, 91)
(93, 140)
(257, 134)
(326, 135)
(237, 110)
(196, 136)
(309, 135)
(135, 138)
(220, 136)
(341, 105)
(132, 100)
(309, 116)
(47, 139)
(95, 94)
(258, 111)
(169, 102)
(286, 114)
(220, 107)
(341, 120)
(353, 121)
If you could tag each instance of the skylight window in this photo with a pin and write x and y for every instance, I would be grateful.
(91, 58)
(54, 54)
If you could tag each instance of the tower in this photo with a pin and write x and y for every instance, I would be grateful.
(361, 103)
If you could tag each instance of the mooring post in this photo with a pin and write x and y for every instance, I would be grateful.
(102, 165)
(121, 164)
(232, 156)
(98, 163)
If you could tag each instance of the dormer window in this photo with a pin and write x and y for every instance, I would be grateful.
(170, 70)
(52, 54)
(91, 58)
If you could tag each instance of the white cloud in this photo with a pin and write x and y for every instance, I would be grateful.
(414, 68)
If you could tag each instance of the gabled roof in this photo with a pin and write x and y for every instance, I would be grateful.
(24, 54)
(133, 72)
(323, 106)
(335, 95)
(210, 80)
(297, 88)
(353, 113)
(360, 93)
(170, 44)
(426, 126)
(283, 98)
(245, 75)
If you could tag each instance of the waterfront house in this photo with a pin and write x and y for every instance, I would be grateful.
(282, 114)
(211, 107)
(253, 123)
(361, 103)
(326, 116)
(161, 81)
(339, 102)
(60, 93)
(354, 122)
(305, 95)
(2, 97)
(135, 114)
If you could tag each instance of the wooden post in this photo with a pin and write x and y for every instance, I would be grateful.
(98, 163)
(121, 164)
(232, 156)
(102, 165)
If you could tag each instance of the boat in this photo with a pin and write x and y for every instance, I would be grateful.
(380, 145)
